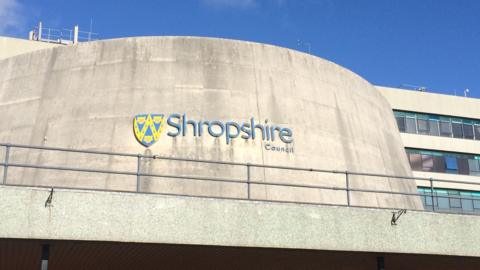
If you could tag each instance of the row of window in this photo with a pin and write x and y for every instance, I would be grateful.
(463, 201)
(436, 125)
(443, 162)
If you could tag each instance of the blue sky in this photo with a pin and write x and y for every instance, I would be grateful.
(432, 43)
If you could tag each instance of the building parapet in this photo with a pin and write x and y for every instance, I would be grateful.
(152, 218)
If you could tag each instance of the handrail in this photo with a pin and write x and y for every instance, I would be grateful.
(229, 163)
(6, 164)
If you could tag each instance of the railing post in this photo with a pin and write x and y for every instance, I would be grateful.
(40, 30)
(248, 181)
(139, 160)
(5, 166)
(347, 187)
(75, 34)
(432, 194)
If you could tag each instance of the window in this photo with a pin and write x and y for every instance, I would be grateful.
(428, 198)
(415, 161)
(451, 164)
(400, 117)
(445, 128)
(462, 165)
(443, 162)
(454, 202)
(439, 164)
(467, 203)
(462, 201)
(474, 167)
(443, 202)
(434, 127)
(476, 203)
(401, 123)
(457, 130)
(411, 125)
(467, 130)
(422, 124)
(477, 131)
(427, 163)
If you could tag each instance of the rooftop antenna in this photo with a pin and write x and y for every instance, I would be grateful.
(465, 92)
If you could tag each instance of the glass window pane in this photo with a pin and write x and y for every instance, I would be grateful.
(467, 131)
(415, 161)
(411, 126)
(445, 129)
(476, 204)
(457, 130)
(428, 200)
(451, 164)
(424, 200)
(423, 126)
(427, 163)
(454, 203)
(477, 132)
(400, 123)
(434, 129)
(474, 167)
(438, 164)
(462, 164)
(442, 201)
(467, 205)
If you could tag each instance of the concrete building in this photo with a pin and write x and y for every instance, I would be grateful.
(135, 152)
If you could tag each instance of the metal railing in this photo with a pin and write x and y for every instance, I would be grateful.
(53, 35)
(87, 36)
(248, 181)
(62, 36)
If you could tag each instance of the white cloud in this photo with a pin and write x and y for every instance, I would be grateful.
(11, 17)
(242, 4)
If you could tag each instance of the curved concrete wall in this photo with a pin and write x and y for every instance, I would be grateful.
(86, 96)
(14, 46)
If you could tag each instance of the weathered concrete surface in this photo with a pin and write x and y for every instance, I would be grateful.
(86, 96)
(13, 46)
(141, 218)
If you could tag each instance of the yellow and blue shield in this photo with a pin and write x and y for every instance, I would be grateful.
(148, 128)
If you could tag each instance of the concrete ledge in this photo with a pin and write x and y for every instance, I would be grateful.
(440, 143)
(129, 217)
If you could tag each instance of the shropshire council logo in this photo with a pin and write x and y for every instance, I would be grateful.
(148, 128)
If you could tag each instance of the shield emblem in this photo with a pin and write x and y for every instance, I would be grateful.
(148, 128)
